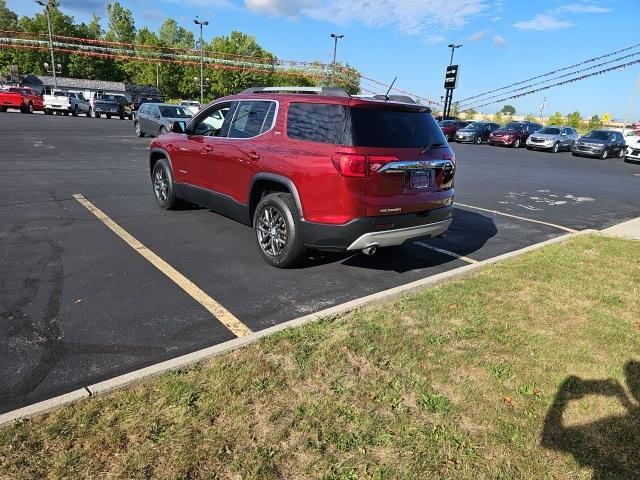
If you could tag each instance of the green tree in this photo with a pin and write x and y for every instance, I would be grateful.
(8, 18)
(574, 119)
(595, 122)
(498, 118)
(530, 118)
(347, 78)
(555, 119)
(121, 25)
(508, 110)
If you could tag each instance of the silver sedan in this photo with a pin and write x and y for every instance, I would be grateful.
(554, 138)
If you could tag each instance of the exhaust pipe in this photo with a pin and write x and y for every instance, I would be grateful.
(370, 250)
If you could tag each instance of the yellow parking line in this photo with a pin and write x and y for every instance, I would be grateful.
(447, 252)
(238, 328)
(566, 229)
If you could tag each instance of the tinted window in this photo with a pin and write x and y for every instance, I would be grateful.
(513, 127)
(317, 122)
(250, 119)
(597, 134)
(388, 128)
(144, 108)
(213, 122)
(550, 131)
(174, 112)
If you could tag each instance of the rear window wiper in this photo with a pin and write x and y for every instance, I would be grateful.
(433, 146)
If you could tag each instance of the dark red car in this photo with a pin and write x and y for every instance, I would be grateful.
(513, 134)
(450, 127)
(24, 99)
(311, 168)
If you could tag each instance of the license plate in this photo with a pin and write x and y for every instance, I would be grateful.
(421, 179)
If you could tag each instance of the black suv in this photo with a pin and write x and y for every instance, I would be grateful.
(112, 106)
(600, 143)
(476, 132)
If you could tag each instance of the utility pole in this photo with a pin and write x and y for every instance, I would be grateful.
(202, 23)
(53, 62)
(157, 75)
(627, 114)
(335, 37)
(448, 99)
(544, 103)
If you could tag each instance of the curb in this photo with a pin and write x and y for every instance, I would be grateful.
(190, 359)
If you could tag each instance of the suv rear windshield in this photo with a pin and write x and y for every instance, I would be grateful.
(394, 128)
(550, 131)
(363, 127)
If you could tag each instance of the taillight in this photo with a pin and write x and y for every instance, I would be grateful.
(350, 165)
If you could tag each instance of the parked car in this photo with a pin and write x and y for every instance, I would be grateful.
(284, 162)
(600, 143)
(553, 138)
(112, 106)
(142, 99)
(450, 127)
(157, 118)
(632, 140)
(476, 132)
(24, 99)
(513, 134)
(192, 105)
(65, 102)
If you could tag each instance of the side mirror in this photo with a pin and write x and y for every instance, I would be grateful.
(179, 127)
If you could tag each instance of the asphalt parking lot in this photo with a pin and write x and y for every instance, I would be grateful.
(78, 305)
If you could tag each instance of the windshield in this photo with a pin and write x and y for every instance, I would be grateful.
(474, 126)
(550, 131)
(60, 94)
(382, 128)
(175, 112)
(597, 135)
(512, 127)
(14, 90)
(109, 97)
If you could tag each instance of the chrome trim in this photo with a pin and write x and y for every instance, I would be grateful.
(403, 166)
(389, 238)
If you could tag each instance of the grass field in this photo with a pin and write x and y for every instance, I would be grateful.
(529, 369)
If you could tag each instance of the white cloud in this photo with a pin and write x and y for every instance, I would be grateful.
(412, 17)
(582, 8)
(500, 41)
(434, 39)
(474, 37)
(543, 22)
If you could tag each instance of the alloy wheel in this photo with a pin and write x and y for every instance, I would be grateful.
(556, 147)
(272, 231)
(516, 144)
(161, 184)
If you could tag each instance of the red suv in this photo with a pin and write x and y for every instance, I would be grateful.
(311, 168)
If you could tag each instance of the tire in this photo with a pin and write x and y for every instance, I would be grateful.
(108, 115)
(555, 148)
(277, 212)
(162, 131)
(75, 111)
(139, 132)
(88, 113)
(605, 154)
(478, 140)
(66, 114)
(130, 117)
(121, 115)
(516, 144)
(574, 154)
(621, 153)
(30, 108)
(529, 148)
(96, 114)
(58, 112)
(3, 109)
(162, 182)
(47, 111)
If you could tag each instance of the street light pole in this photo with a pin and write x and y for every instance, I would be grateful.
(202, 23)
(53, 62)
(335, 37)
(448, 99)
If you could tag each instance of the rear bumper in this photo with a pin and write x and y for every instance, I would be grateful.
(382, 231)
(66, 108)
(11, 104)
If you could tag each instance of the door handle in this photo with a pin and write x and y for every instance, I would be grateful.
(254, 156)
(208, 148)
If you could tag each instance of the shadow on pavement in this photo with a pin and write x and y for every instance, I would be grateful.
(609, 446)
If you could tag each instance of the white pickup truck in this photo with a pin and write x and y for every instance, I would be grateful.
(61, 101)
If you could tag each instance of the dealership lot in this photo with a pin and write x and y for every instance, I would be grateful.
(78, 305)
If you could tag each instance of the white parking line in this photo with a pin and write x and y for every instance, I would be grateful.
(446, 252)
(560, 227)
(238, 328)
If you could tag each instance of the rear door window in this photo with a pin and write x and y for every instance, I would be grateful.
(394, 128)
(318, 122)
(251, 118)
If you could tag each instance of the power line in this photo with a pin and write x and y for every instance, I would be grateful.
(590, 60)
(635, 54)
(576, 79)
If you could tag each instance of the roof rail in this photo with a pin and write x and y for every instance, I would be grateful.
(336, 92)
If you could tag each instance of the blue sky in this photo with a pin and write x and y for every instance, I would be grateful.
(504, 41)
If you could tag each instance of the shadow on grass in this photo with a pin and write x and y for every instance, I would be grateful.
(609, 446)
